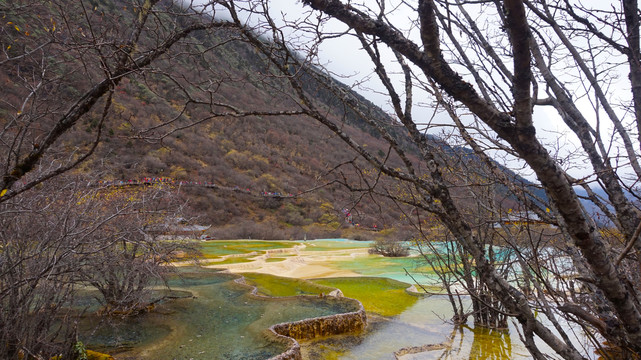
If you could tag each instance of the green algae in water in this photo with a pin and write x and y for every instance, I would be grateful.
(231, 260)
(115, 335)
(221, 321)
(228, 247)
(383, 296)
(335, 244)
(273, 285)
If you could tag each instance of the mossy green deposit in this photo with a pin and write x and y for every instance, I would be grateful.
(331, 245)
(229, 247)
(94, 355)
(382, 296)
(273, 285)
(375, 265)
(231, 260)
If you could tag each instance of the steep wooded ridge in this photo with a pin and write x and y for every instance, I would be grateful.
(157, 127)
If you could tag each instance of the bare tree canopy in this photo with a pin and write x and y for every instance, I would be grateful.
(484, 73)
(490, 66)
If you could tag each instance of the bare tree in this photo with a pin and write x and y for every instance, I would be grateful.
(489, 66)
(66, 235)
(38, 240)
(126, 257)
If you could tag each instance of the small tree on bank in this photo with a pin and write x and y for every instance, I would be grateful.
(135, 251)
(389, 247)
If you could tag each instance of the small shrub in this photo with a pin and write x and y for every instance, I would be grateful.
(389, 247)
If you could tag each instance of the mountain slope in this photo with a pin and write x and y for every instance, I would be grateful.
(160, 124)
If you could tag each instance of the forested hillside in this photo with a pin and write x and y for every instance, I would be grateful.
(181, 120)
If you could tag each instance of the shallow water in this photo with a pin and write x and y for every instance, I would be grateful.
(228, 247)
(392, 268)
(334, 244)
(358, 262)
(221, 321)
(422, 324)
